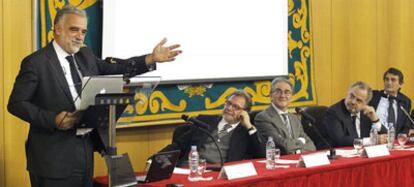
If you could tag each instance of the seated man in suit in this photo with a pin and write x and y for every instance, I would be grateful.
(238, 139)
(388, 102)
(285, 128)
(352, 117)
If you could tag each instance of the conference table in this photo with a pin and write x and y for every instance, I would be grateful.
(397, 169)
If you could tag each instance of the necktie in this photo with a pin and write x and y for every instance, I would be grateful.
(354, 123)
(75, 75)
(391, 114)
(287, 123)
(225, 128)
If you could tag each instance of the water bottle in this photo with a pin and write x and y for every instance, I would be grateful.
(193, 160)
(373, 135)
(270, 153)
(391, 136)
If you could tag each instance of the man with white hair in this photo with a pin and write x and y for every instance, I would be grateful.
(47, 92)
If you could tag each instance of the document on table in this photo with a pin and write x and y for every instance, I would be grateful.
(347, 153)
(281, 161)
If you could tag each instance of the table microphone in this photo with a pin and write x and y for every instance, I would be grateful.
(195, 121)
(202, 126)
(407, 114)
(310, 120)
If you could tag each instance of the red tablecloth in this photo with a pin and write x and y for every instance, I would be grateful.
(394, 170)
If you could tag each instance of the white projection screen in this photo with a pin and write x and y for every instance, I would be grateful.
(220, 39)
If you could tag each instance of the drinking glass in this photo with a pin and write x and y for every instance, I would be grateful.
(202, 165)
(358, 145)
(277, 154)
(402, 139)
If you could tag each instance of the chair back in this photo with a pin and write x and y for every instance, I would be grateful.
(318, 112)
(180, 130)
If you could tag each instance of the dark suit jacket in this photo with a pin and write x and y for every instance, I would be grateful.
(338, 122)
(40, 92)
(403, 123)
(269, 123)
(242, 145)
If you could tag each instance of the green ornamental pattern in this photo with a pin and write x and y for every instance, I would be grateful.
(168, 102)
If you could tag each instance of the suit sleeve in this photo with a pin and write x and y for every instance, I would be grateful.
(182, 143)
(336, 130)
(309, 145)
(21, 99)
(407, 125)
(129, 67)
(257, 145)
(266, 129)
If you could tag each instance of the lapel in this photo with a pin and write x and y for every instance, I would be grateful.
(57, 71)
(348, 120)
(277, 121)
(376, 98)
(401, 118)
(214, 124)
(81, 62)
(292, 125)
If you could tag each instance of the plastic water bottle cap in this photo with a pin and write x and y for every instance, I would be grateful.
(193, 147)
(270, 138)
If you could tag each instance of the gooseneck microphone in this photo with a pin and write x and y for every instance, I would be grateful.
(305, 115)
(403, 109)
(310, 121)
(407, 115)
(195, 121)
(202, 126)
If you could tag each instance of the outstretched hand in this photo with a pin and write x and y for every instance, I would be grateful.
(163, 53)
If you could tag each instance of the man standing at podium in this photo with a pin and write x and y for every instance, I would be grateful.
(47, 91)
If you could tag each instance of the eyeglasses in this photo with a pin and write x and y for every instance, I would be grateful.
(280, 91)
(234, 106)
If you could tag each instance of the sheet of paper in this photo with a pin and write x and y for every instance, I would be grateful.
(281, 161)
(347, 153)
(181, 171)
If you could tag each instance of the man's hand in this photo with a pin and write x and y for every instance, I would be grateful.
(382, 138)
(65, 120)
(370, 112)
(410, 132)
(245, 120)
(163, 54)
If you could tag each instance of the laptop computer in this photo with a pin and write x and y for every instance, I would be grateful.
(91, 86)
(162, 167)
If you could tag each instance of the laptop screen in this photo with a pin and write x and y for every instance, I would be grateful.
(91, 86)
(162, 166)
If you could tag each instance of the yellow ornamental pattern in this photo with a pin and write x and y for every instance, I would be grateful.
(300, 73)
(196, 90)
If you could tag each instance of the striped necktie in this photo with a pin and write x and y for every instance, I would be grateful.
(225, 128)
(287, 123)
